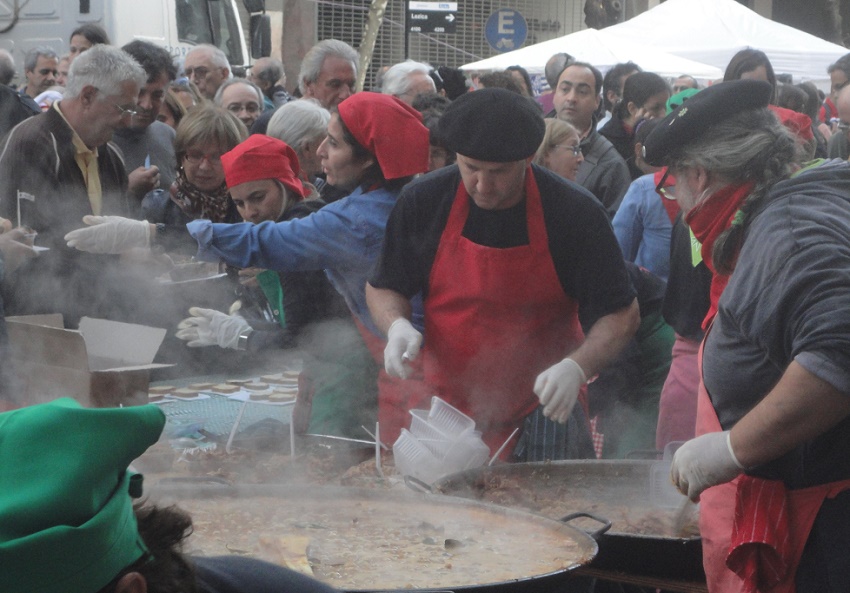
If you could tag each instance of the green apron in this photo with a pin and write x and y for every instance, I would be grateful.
(338, 370)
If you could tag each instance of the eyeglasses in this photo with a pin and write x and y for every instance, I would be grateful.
(575, 149)
(198, 72)
(665, 191)
(196, 158)
(238, 107)
(124, 111)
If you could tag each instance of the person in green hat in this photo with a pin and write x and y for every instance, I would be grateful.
(680, 98)
(68, 523)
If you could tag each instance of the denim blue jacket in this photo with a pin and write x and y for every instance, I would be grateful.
(344, 239)
(643, 228)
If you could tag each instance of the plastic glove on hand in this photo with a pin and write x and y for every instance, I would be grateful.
(558, 387)
(705, 461)
(207, 327)
(110, 234)
(403, 343)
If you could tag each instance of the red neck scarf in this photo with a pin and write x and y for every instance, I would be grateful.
(707, 221)
(670, 206)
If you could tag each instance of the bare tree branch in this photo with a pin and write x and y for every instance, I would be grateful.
(17, 7)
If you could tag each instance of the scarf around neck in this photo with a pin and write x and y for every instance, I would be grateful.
(197, 204)
(707, 221)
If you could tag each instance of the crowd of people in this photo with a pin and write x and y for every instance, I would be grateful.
(649, 264)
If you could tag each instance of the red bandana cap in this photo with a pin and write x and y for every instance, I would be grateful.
(389, 129)
(263, 157)
(798, 124)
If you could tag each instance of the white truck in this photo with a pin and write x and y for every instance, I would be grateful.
(176, 25)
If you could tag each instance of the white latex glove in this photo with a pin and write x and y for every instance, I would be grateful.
(557, 388)
(207, 327)
(110, 234)
(403, 343)
(705, 461)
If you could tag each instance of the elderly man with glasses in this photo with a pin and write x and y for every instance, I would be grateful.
(207, 66)
(56, 168)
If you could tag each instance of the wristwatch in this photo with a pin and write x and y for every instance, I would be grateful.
(242, 340)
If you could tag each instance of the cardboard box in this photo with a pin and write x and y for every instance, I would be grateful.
(102, 364)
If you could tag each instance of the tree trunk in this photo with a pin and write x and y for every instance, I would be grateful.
(370, 36)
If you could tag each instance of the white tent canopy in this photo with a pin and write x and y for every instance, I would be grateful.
(712, 31)
(601, 50)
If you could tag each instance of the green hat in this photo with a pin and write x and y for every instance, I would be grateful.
(680, 98)
(66, 515)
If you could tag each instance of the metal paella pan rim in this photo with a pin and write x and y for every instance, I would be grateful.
(501, 525)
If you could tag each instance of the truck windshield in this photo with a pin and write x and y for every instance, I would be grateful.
(210, 21)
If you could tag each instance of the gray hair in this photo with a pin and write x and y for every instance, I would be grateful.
(311, 65)
(104, 67)
(217, 56)
(396, 81)
(555, 66)
(31, 58)
(7, 67)
(272, 72)
(751, 146)
(299, 121)
(231, 82)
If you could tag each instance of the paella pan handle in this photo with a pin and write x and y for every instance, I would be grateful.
(606, 524)
(418, 485)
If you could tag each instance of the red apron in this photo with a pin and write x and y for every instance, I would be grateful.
(395, 396)
(753, 530)
(494, 320)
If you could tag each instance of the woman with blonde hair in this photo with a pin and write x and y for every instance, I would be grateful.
(560, 151)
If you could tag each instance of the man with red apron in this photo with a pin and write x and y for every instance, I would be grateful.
(769, 466)
(511, 261)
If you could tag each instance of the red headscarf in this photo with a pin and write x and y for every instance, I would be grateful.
(263, 157)
(799, 124)
(389, 129)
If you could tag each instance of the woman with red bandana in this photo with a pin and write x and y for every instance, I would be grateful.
(375, 145)
(769, 466)
(290, 309)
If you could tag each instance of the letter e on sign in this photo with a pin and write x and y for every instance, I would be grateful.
(506, 30)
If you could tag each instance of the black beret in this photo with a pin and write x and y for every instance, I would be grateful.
(689, 120)
(494, 125)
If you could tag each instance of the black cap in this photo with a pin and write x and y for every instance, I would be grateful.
(494, 125)
(688, 121)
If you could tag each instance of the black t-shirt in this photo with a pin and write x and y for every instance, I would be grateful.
(587, 258)
(688, 297)
(237, 574)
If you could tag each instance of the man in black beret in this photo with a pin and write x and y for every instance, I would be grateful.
(513, 262)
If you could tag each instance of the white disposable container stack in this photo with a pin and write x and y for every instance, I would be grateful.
(441, 441)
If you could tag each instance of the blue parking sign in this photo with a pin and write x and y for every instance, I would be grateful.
(506, 30)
